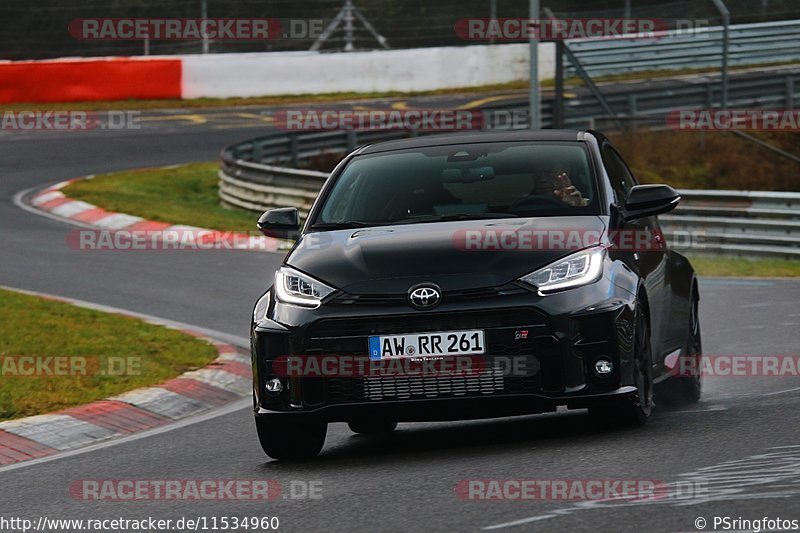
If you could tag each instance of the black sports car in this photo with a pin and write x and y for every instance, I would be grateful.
(472, 275)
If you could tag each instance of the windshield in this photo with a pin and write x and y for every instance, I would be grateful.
(469, 181)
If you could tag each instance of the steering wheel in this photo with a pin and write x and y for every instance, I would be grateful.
(539, 198)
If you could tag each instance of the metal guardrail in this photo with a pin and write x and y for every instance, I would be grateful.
(750, 44)
(736, 222)
(258, 187)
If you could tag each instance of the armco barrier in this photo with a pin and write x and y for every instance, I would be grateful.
(257, 187)
(740, 222)
(730, 222)
(750, 44)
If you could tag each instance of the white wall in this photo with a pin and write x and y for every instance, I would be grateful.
(420, 69)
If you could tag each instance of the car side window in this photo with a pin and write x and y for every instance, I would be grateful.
(620, 175)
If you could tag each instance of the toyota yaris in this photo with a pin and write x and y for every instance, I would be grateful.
(467, 276)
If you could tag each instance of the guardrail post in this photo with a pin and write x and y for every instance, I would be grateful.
(294, 150)
(351, 140)
(632, 110)
(632, 105)
(789, 92)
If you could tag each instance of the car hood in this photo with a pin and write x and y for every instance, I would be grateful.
(390, 259)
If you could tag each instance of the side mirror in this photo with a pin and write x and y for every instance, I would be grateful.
(649, 200)
(280, 223)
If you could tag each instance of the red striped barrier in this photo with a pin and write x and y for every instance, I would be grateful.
(82, 80)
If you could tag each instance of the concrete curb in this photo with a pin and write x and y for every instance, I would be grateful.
(225, 380)
(149, 233)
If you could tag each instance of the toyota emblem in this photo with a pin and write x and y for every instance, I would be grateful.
(425, 296)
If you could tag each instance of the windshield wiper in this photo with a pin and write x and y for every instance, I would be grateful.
(452, 217)
(345, 225)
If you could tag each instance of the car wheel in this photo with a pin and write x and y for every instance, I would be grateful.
(290, 438)
(681, 388)
(371, 427)
(636, 410)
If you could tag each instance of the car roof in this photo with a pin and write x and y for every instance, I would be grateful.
(475, 137)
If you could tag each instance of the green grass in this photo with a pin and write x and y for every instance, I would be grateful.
(31, 326)
(741, 267)
(182, 195)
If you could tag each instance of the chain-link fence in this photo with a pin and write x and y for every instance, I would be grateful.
(40, 30)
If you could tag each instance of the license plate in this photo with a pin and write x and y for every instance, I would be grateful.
(444, 343)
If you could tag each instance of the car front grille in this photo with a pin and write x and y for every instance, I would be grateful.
(391, 388)
(388, 388)
(543, 374)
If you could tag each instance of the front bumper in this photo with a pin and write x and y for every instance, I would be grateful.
(461, 408)
(565, 334)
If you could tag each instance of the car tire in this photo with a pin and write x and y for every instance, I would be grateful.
(371, 427)
(687, 389)
(289, 437)
(633, 411)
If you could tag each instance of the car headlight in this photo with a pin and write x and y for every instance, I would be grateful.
(578, 269)
(296, 288)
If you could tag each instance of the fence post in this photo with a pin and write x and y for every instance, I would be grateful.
(558, 102)
(726, 23)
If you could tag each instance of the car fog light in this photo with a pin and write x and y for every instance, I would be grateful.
(274, 386)
(603, 367)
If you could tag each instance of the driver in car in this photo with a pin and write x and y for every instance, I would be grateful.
(554, 180)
